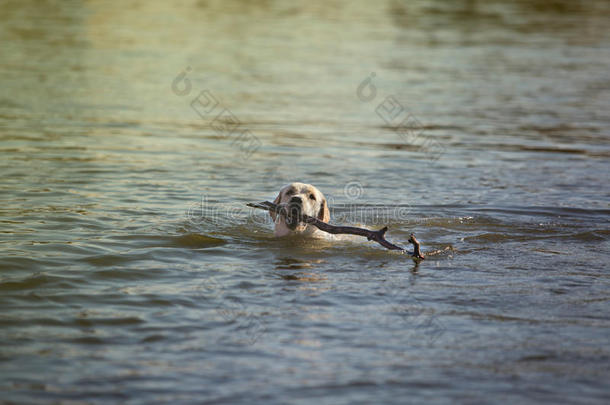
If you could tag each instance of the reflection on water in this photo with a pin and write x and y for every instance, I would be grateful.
(132, 136)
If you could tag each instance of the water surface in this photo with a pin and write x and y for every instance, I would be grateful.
(131, 270)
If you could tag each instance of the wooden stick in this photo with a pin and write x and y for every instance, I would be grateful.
(377, 236)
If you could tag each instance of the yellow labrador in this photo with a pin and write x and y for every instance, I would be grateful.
(300, 198)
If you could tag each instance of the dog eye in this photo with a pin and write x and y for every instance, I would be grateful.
(313, 197)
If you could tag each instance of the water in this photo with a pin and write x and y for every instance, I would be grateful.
(131, 270)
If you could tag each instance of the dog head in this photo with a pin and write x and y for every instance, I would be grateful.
(299, 198)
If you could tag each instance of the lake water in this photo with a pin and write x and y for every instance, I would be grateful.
(132, 134)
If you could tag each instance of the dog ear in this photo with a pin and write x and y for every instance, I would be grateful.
(324, 213)
(276, 201)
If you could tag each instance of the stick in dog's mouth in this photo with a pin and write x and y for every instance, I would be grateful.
(377, 236)
(292, 212)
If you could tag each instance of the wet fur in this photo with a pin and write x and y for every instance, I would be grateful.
(313, 204)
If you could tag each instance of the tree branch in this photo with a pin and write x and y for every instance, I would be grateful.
(377, 236)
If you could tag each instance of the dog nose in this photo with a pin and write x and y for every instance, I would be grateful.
(296, 200)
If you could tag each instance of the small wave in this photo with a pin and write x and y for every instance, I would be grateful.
(197, 241)
(36, 281)
(122, 274)
(191, 239)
